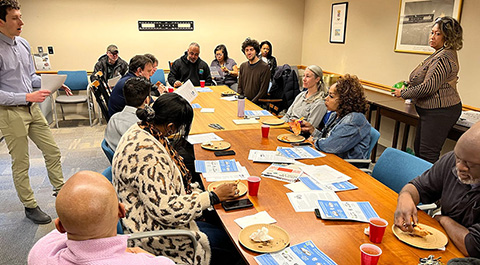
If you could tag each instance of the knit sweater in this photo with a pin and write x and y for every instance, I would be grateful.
(150, 186)
(433, 84)
(253, 80)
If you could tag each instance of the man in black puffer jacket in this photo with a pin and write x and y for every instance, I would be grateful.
(190, 66)
(110, 64)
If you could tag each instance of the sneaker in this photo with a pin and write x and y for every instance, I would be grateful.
(37, 215)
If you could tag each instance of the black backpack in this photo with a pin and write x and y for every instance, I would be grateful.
(284, 87)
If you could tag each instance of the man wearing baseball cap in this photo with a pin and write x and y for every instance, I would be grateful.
(110, 64)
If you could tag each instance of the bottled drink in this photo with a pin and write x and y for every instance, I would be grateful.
(241, 106)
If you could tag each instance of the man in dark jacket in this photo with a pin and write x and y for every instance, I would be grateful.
(140, 65)
(190, 66)
(110, 64)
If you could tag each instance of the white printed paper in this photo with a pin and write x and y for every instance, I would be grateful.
(325, 173)
(187, 91)
(242, 174)
(346, 210)
(307, 201)
(202, 138)
(297, 187)
(245, 121)
(52, 82)
(268, 157)
(113, 81)
(207, 110)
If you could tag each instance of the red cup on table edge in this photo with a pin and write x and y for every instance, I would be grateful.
(377, 228)
(170, 89)
(265, 130)
(202, 83)
(253, 185)
(370, 254)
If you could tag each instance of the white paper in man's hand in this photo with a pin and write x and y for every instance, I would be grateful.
(113, 81)
(187, 91)
(52, 82)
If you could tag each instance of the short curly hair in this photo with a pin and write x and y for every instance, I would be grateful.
(351, 95)
(251, 42)
(452, 32)
(5, 6)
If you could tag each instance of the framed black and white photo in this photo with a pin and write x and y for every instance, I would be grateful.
(416, 19)
(338, 24)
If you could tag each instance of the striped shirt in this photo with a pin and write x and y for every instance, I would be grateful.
(433, 84)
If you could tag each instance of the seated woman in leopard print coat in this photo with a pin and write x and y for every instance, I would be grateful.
(154, 185)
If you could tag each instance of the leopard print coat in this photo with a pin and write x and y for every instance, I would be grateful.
(150, 186)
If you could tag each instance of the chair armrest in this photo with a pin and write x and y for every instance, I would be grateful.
(359, 163)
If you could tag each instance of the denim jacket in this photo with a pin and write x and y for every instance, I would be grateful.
(348, 137)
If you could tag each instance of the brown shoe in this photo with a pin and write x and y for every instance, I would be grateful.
(37, 215)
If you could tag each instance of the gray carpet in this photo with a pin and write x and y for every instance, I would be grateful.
(80, 147)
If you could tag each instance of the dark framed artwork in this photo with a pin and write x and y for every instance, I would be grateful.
(338, 23)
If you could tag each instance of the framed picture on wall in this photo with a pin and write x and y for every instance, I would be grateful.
(338, 24)
(415, 21)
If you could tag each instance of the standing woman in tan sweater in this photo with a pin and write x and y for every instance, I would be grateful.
(433, 87)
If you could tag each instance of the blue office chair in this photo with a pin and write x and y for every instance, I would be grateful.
(168, 232)
(374, 136)
(108, 151)
(396, 168)
(159, 75)
(76, 81)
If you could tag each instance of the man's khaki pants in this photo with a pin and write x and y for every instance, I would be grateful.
(17, 123)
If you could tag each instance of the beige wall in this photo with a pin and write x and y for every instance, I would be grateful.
(368, 51)
(80, 31)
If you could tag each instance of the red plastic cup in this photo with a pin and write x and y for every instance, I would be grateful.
(265, 130)
(170, 89)
(377, 229)
(370, 254)
(253, 184)
(202, 83)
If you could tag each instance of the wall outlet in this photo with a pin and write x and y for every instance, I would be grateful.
(40, 49)
(50, 49)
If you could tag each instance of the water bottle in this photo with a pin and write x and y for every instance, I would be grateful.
(241, 106)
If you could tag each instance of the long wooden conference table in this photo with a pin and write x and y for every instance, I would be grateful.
(340, 240)
(224, 114)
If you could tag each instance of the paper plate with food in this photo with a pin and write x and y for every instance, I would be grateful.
(242, 188)
(264, 238)
(216, 145)
(422, 236)
(273, 122)
(290, 138)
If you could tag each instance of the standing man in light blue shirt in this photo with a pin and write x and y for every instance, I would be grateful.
(20, 116)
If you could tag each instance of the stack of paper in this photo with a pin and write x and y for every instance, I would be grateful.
(325, 174)
(257, 113)
(268, 157)
(202, 138)
(288, 173)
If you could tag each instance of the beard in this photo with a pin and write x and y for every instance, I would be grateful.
(469, 180)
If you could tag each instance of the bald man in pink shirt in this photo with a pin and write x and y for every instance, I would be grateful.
(88, 212)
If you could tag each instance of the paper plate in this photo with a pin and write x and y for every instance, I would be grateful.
(216, 145)
(241, 187)
(280, 240)
(290, 138)
(273, 122)
(228, 93)
(434, 241)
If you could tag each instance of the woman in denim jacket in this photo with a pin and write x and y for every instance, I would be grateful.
(347, 132)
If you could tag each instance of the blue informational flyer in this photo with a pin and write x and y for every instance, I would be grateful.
(337, 186)
(204, 89)
(257, 113)
(305, 253)
(215, 166)
(301, 152)
(196, 106)
(345, 210)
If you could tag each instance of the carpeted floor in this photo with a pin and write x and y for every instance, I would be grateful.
(80, 147)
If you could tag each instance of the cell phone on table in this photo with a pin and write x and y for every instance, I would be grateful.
(224, 153)
(238, 204)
